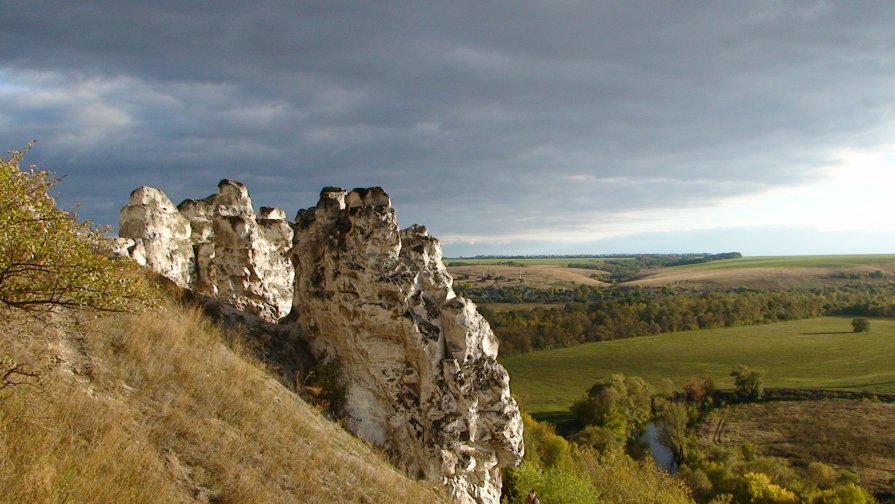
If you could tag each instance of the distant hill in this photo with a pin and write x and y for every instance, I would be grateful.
(687, 271)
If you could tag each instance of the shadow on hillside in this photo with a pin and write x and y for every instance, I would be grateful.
(826, 332)
(562, 420)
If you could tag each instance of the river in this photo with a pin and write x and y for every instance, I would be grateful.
(661, 454)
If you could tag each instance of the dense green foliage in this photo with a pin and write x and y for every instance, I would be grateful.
(620, 404)
(860, 325)
(565, 472)
(599, 314)
(740, 474)
(749, 383)
(743, 474)
(48, 257)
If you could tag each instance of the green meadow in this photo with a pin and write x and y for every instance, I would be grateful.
(812, 261)
(813, 353)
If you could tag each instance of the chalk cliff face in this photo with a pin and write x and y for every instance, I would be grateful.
(156, 235)
(419, 363)
(241, 259)
(215, 246)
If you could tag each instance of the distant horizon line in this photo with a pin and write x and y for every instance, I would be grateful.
(658, 254)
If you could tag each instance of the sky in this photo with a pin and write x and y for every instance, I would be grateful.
(506, 127)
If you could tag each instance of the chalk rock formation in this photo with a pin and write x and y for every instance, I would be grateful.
(156, 235)
(420, 362)
(240, 259)
(216, 246)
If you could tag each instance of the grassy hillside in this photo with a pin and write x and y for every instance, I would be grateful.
(760, 272)
(819, 261)
(528, 261)
(159, 407)
(782, 272)
(540, 277)
(812, 353)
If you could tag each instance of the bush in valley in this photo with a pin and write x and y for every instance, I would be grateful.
(619, 404)
(749, 383)
(699, 390)
(599, 438)
(860, 325)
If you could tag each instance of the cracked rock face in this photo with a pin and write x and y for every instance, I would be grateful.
(215, 246)
(241, 259)
(419, 363)
(156, 235)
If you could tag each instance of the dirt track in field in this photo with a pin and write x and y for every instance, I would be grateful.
(536, 276)
(854, 435)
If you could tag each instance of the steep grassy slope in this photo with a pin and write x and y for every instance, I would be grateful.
(163, 407)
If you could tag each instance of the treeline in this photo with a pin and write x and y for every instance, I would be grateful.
(594, 314)
(620, 268)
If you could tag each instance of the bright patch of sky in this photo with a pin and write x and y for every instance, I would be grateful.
(855, 194)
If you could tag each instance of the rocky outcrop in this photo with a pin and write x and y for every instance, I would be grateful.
(215, 246)
(154, 233)
(418, 363)
(240, 259)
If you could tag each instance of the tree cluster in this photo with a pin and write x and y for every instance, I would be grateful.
(621, 313)
(615, 410)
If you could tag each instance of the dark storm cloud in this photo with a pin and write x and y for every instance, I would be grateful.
(479, 118)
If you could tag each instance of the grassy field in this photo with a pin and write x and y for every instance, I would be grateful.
(813, 353)
(783, 272)
(820, 261)
(833, 432)
(760, 272)
(807, 261)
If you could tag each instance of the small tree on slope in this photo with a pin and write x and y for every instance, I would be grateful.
(49, 258)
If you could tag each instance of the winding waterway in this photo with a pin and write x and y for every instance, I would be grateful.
(661, 454)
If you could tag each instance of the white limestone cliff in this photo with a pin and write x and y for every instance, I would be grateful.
(156, 235)
(241, 259)
(418, 362)
(215, 246)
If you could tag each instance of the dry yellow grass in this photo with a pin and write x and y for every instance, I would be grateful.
(155, 408)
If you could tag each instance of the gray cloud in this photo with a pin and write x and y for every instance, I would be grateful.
(479, 118)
